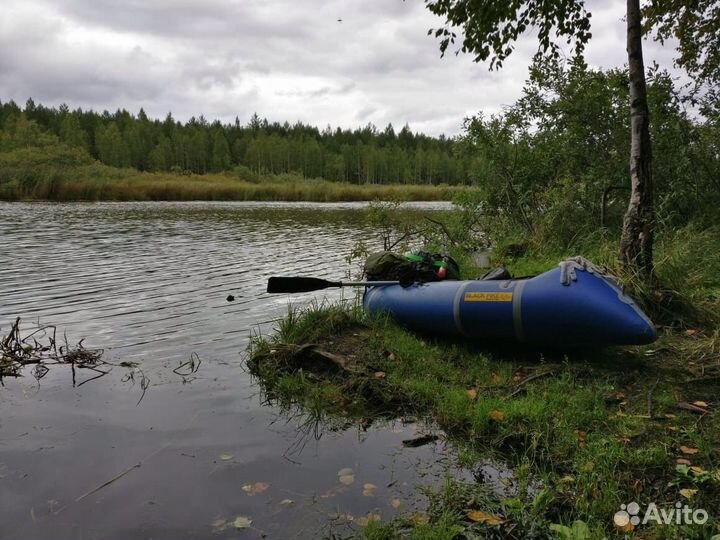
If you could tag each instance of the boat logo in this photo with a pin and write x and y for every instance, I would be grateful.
(488, 297)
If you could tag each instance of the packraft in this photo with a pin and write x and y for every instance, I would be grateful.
(574, 304)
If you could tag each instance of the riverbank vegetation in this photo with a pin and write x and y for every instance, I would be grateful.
(97, 182)
(583, 431)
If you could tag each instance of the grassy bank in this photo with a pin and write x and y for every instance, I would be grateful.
(582, 431)
(96, 182)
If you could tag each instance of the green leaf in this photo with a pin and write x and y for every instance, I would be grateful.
(580, 530)
(563, 530)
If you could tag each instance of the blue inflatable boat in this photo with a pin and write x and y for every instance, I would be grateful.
(575, 304)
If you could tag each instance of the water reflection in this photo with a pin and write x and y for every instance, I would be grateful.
(147, 282)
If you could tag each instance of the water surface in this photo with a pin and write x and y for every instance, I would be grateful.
(147, 282)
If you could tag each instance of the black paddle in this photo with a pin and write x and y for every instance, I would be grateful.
(307, 284)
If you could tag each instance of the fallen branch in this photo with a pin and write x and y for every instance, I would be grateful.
(519, 387)
(113, 479)
(649, 398)
(692, 408)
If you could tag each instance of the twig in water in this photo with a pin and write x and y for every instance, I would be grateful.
(144, 381)
(113, 479)
(191, 366)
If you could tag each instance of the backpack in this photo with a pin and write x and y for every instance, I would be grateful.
(409, 268)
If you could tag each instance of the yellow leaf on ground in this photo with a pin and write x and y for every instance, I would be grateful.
(395, 503)
(369, 490)
(345, 471)
(580, 437)
(380, 374)
(697, 470)
(471, 393)
(496, 415)
(683, 461)
(688, 493)
(689, 450)
(483, 517)
(702, 404)
(689, 332)
(254, 489)
(628, 527)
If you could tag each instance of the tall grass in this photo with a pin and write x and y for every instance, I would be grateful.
(95, 182)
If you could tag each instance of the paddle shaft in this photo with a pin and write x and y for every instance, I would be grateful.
(308, 284)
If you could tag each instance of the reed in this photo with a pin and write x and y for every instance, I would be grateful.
(95, 182)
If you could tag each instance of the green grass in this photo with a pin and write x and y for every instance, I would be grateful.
(579, 440)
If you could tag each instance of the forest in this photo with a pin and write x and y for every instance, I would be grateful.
(122, 139)
(554, 160)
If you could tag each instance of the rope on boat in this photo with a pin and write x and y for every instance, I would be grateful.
(569, 268)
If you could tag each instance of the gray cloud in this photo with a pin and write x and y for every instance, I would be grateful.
(283, 59)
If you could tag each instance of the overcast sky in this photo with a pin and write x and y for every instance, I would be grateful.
(284, 59)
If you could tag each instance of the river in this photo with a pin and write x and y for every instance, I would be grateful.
(191, 453)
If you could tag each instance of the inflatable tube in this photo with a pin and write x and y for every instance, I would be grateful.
(573, 305)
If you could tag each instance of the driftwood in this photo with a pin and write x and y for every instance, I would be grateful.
(692, 408)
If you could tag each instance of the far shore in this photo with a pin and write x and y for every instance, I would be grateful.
(102, 183)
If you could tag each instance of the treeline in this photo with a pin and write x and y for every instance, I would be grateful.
(366, 155)
(555, 164)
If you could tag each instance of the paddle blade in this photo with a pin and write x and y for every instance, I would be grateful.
(298, 284)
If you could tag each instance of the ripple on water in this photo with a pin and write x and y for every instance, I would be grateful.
(147, 282)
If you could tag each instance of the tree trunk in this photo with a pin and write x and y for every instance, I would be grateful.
(636, 242)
